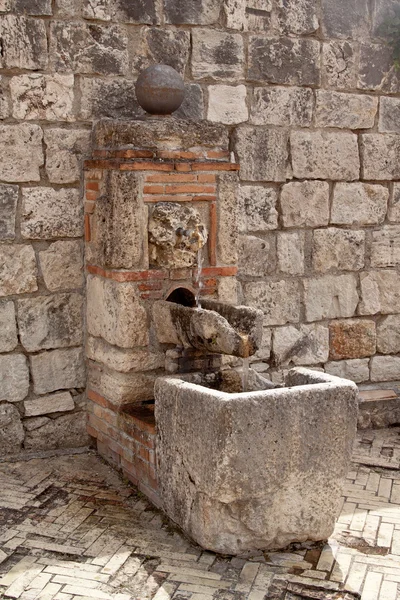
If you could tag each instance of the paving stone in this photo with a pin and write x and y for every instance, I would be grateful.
(8, 208)
(14, 380)
(219, 55)
(58, 370)
(11, 430)
(297, 16)
(352, 339)
(193, 12)
(227, 104)
(259, 204)
(24, 153)
(62, 265)
(330, 297)
(308, 345)
(65, 150)
(385, 250)
(280, 300)
(356, 370)
(339, 64)
(262, 153)
(359, 204)
(49, 404)
(108, 98)
(282, 106)
(46, 97)
(345, 111)
(49, 213)
(8, 327)
(338, 249)
(24, 43)
(290, 253)
(305, 204)
(18, 271)
(380, 292)
(380, 156)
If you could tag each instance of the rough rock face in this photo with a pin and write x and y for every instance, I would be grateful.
(11, 430)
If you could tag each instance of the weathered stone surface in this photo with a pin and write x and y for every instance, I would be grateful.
(58, 370)
(380, 154)
(49, 213)
(325, 155)
(385, 248)
(49, 404)
(207, 495)
(123, 360)
(4, 99)
(305, 204)
(8, 327)
(195, 12)
(259, 204)
(388, 335)
(264, 351)
(217, 54)
(121, 388)
(47, 97)
(68, 431)
(376, 69)
(378, 412)
(65, 150)
(248, 15)
(356, 370)
(108, 98)
(354, 338)
(380, 292)
(285, 60)
(227, 104)
(47, 322)
(345, 19)
(24, 153)
(228, 290)
(121, 11)
(385, 368)
(338, 249)
(345, 111)
(290, 253)
(8, 208)
(24, 43)
(88, 48)
(192, 108)
(67, 8)
(290, 106)
(279, 300)
(14, 377)
(35, 423)
(394, 205)
(11, 430)
(114, 313)
(308, 345)
(228, 212)
(36, 8)
(256, 256)
(263, 153)
(330, 297)
(297, 16)
(359, 204)
(389, 115)
(18, 270)
(167, 46)
(62, 265)
(339, 64)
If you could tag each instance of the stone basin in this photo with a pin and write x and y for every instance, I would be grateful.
(257, 470)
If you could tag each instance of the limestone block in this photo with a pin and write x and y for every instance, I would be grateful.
(353, 338)
(180, 12)
(217, 54)
(11, 430)
(65, 150)
(228, 213)
(297, 16)
(62, 265)
(82, 48)
(394, 205)
(167, 46)
(122, 360)
(192, 108)
(259, 204)
(308, 345)
(380, 292)
(14, 377)
(256, 256)
(47, 97)
(8, 208)
(24, 43)
(279, 300)
(359, 204)
(115, 314)
(284, 60)
(47, 322)
(120, 11)
(49, 404)
(345, 19)
(356, 370)
(385, 249)
(305, 204)
(67, 8)
(380, 154)
(264, 351)
(389, 115)
(330, 297)
(290, 253)
(121, 388)
(376, 70)
(338, 249)
(291, 106)
(108, 98)
(227, 104)
(58, 370)
(35, 423)
(36, 8)
(8, 327)
(345, 111)
(4, 100)
(18, 270)
(49, 213)
(262, 153)
(24, 153)
(325, 155)
(339, 64)
(68, 431)
(385, 368)
(388, 334)
(228, 290)
(248, 15)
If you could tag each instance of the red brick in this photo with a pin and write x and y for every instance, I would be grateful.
(151, 286)
(190, 189)
(166, 198)
(153, 189)
(95, 397)
(183, 166)
(218, 154)
(133, 154)
(101, 164)
(89, 207)
(206, 178)
(179, 274)
(87, 228)
(92, 431)
(174, 178)
(144, 453)
(108, 454)
(105, 415)
(219, 271)
(123, 276)
(92, 185)
(178, 154)
(91, 196)
(215, 166)
(146, 166)
(151, 295)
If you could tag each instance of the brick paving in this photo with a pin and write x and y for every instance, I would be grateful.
(72, 529)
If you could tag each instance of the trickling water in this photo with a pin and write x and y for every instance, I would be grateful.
(245, 373)
(199, 283)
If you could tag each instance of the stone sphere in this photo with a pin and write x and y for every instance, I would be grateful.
(160, 90)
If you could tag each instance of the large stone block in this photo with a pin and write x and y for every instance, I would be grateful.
(24, 43)
(339, 64)
(47, 322)
(353, 338)
(330, 297)
(279, 300)
(261, 486)
(11, 430)
(338, 249)
(5, 109)
(62, 265)
(297, 16)
(345, 111)
(259, 204)
(227, 104)
(49, 213)
(123, 360)
(345, 19)
(256, 256)
(18, 271)
(46, 97)
(58, 370)
(14, 377)
(192, 108)
(195, 12)
(285, 60)
(385, 368)
(305, 204)
(359, 204)
(248, 15)
(8, 327)
(121, 388)
(108, 98)
(356, 370)
(380, 155)
(217, 54)
(262, 153)
(24, 153)
(394, 205)
(385, 248)
(167, 46)
(65, 150)
(290, 253)
(388, 334)
(121, 11)
(325, 155)
(68, 431)
(380, 292)
(8, 209)
(36, 8)
(228, 212)
(49, 404)
(115, 314)
(389, 115)
(376, 69)
(289, 106)
(308, 345)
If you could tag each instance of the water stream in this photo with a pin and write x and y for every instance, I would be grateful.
(245, 373)
(198, 281)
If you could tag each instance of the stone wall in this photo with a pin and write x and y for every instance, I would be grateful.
(308, 94)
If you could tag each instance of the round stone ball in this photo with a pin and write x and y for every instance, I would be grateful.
(160, 90)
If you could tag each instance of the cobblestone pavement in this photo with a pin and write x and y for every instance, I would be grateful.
(71, 529)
